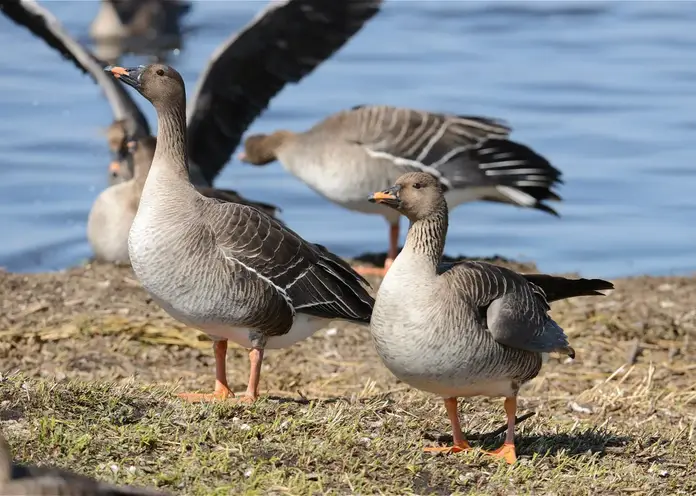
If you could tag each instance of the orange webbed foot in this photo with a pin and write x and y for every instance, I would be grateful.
(221, 393)
(457, 448)
(505, 452)
(246, 398)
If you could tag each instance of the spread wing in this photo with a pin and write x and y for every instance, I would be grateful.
(43, 24)
(282, 44)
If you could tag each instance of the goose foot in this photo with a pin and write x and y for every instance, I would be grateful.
(457, 448)
(221, 393)
(505, 452)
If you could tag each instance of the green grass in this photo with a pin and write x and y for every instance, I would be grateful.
(91, 367)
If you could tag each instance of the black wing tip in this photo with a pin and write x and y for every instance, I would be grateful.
(599, 285)
(545, 208)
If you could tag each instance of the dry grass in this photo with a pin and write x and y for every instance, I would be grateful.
(90, 367)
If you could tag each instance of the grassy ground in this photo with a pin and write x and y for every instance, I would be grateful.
(90, 367)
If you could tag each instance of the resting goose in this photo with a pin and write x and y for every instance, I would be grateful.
(467, 328)
(27, 480)
(227, 269)
(149, 19)
(355, 152)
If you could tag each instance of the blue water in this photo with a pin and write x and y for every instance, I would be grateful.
(605, 90)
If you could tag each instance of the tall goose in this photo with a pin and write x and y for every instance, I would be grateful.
(282, 44)
(227, 269)
(28, 480)
(352, 153)
(463, 329)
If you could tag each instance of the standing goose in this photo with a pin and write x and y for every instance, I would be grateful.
(23, 480)
(467, 328)
(352, 153)
(284, 43)
(227, 269)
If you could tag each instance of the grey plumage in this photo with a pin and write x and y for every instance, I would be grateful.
(466, 328)
(226, 268)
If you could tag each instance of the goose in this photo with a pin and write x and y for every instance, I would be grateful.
(114, 209)
(282, 44)
(467, 328)
(29, 480)
(228, 269)
(354, 152)
(150, 19)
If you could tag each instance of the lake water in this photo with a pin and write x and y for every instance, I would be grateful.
(605, 90)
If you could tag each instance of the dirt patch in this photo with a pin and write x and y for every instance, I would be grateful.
(90, 366)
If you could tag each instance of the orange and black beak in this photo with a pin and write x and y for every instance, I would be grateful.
(389, 197)
(130, 76)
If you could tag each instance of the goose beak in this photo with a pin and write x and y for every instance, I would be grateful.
(130, 76)
(389, 197)
(241, 156)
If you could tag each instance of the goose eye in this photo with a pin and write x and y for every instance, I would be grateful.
(160, 72)
(417, 185)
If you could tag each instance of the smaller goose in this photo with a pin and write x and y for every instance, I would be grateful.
(466, 328)
(352, 153)
(114, 209)
(149, 19)
(227, 269)
(23, 480)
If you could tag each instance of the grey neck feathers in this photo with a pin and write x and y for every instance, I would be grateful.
(426, 237)
(171, 139)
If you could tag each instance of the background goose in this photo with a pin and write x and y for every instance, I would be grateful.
(29, 480)
(150, 19)
(468, 328)
(284, 43)
(355, 152)
(227, 269)
(113, 211)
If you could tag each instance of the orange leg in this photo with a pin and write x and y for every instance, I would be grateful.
(391, 255)
(460, 444)
(507, 450)
(252, 392)
(222, 390)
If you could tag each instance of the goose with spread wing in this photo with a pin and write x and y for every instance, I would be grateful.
(282, 44)
(352, 153)
(463, 329)
(227, 269)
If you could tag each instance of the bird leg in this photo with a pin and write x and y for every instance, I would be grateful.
(507, 450)
(252, 392)
(391, 255)
(222, 390)
(460, 444)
